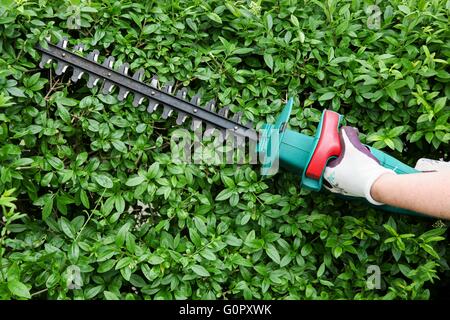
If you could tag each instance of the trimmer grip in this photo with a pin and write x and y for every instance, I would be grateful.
(328, 145)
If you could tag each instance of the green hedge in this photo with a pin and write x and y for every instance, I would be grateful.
(89, 188)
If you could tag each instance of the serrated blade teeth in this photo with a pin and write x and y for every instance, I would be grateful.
(77, 74)
(61, 68)
(79, 47)
(81, 67)
(182, 93)
(196, 99)
(167, 112)
(249, 124)
(93, 56)
(224, 112)
(139, 74)
(211, 105)
(63, 43)
(45, 59)
(224, 133)
(168, 87)
(239, 141)
(237, 117)
(181, 118)
(138, 98)
(109, 62)
(154, 82)
(107, 87)
(195, 124)
(210, 129)
(123, 93)
(123, 69)
(92, 81)
(152, 106)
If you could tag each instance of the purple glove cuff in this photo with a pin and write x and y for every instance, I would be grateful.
(352, 134)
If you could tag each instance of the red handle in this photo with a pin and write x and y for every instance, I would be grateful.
(329, 145)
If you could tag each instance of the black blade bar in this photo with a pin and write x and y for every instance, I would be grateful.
(121, 80)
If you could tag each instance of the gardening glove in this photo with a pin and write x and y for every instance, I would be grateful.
(355, 170)
(424, 164)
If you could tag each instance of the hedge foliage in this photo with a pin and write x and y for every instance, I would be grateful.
(87, 183)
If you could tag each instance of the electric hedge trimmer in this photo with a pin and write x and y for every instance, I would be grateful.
(303, 155)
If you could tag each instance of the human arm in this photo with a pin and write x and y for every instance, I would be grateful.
(425, 192)
(358, 173)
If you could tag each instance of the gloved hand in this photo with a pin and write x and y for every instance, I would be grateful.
(355, 170)
(427, 165)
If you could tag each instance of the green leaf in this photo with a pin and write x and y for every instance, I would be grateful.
(48, 207)
(327, 96)
(268, 59)
(306, 250)
(106, 266)
(201, 271)
(56, 163)
(404, 9)
(321, 270)
(103, 180)
(153, 170)
(18, 289)
(64, 114)
(119, 146)
(149, 29)
(272, 252)
(233, 241)
(123, 263)
(224, 194)
(120, 237)
(155, 259)
(214, 17)
(110, 295)
(200, 225)
(396, 131)
(84, 199)
(439, 104)
(429, 249)
(208, 254)
(243, 50)
(67, 228)
(92, 292)
(17, 92)
(269, 21)
(134, 181)
(337, 251)
(294, 21)
(234, 199)
(416, 136)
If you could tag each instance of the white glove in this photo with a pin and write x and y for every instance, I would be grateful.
(424, 164)
(355, 170)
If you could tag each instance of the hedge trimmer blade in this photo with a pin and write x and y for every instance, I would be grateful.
(152, 93)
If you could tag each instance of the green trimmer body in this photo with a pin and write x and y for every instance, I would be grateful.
(307, 156)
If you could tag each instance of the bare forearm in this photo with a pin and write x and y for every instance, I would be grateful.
(428, 193)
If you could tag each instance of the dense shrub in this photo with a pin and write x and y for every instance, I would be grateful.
(89, 188)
